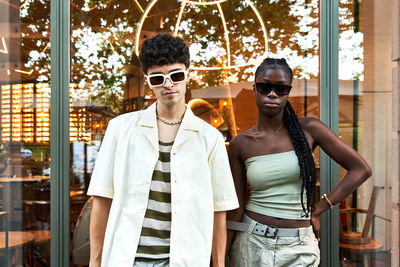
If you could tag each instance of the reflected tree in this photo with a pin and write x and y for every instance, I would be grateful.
(103, 35)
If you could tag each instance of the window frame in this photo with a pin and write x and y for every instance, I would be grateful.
(59, 133)
(329, 107)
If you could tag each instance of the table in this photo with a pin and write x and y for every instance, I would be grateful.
(24, 179)
(74, 193)
(16, 241)
(16, 194)
(363, 250)
(42, 245)
(41, 236)
(373, 246)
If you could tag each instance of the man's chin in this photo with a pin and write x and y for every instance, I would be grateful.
(167, 103)
(170, 101)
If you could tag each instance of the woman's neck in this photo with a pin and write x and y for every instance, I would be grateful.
(269, 123)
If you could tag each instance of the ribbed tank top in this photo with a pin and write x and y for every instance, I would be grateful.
(275, 185)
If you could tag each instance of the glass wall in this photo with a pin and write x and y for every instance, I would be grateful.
(365, 122)
(227, 40)
(24, 132)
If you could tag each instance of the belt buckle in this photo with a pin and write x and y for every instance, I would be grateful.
(271, 232)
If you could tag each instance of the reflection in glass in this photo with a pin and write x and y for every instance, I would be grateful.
(24, 133)
(227, 40)
(365, 98)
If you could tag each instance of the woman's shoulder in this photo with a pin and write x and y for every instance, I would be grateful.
(242, 137)
(239, 141)
(315, 128)
(311, 124)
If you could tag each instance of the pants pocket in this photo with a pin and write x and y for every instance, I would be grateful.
(245, 252)
(251, 251)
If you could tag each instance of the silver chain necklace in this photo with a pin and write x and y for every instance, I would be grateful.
(169, 122)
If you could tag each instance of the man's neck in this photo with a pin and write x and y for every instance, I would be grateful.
(171, 113)
(167, 131)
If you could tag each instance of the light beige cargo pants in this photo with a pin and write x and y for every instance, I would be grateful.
(249, 250)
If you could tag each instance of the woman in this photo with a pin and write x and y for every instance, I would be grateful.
(276, 221)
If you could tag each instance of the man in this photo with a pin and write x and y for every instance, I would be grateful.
(162, 182)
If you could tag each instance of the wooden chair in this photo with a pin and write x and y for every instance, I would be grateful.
(80, 240)
(356, 244)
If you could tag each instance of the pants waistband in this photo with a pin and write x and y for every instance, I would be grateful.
(253, 227)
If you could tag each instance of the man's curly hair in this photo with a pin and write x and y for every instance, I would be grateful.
(163, 49)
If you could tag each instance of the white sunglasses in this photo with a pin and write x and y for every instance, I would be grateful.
(177, 76)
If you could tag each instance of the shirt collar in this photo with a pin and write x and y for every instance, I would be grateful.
(189, 121)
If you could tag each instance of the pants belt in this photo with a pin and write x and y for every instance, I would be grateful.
(253, 227)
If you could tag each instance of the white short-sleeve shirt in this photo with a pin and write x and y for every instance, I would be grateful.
(201, 184)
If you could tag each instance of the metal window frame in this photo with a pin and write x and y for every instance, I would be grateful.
(329, 101)
(59, 129)
(59, 133)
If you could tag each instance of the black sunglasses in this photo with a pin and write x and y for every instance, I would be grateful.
(266, 88)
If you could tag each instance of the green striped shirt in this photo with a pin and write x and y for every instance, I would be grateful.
(156, 230)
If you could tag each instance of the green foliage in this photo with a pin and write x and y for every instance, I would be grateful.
(103, 31)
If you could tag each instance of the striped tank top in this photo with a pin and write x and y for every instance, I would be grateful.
(155, 236)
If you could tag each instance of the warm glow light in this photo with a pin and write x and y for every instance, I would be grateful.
(139, 29)
(21, 6)
(4, 50)
(261, 22)
(139, 6)
(24, 72)
(45, 48)
(226, 33)
(225, 103)
(92, 8)
(221, 68)
(178, 21)
(112, 47)
(206, 3)
(32, 124)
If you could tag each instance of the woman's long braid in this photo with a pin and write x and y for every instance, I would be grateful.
(304, 156)
(297, 137)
